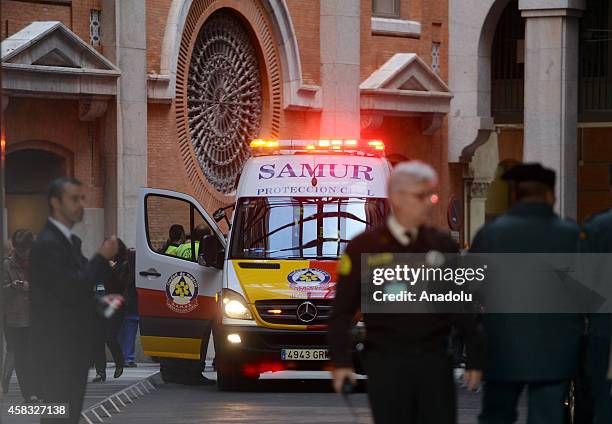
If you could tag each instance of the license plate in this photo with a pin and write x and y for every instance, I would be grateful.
(304, 354)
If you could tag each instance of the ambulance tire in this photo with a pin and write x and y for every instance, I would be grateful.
(233, 381)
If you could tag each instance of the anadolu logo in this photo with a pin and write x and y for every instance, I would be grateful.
(182, 292)
(308, 279)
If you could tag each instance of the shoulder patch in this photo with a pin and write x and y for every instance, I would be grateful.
(344, 265)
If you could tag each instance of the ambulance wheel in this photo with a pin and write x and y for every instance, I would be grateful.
(233, 381)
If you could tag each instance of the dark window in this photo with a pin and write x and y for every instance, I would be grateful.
(595, 86)
(386, 8)
(508, 66)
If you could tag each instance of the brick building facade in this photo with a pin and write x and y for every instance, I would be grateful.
(120, 93)
(532, 81)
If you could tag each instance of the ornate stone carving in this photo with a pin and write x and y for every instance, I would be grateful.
(479, 189)
(224, 98)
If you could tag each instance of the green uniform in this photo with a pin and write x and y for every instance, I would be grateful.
(598, 239)
(540, 352)
(184, 250)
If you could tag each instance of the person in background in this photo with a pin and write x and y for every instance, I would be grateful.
(8, 248)
(538, 353)
(9, 360)
(597, 241)
(15, 293)
(63, 306)
(115, 285)
(131, 319)
(176, 237)
(197, 235)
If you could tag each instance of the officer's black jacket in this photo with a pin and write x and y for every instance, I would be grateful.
(397, 333)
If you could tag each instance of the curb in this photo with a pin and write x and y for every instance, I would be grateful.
(120, 399)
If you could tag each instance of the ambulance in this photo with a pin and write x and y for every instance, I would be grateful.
(265, 290)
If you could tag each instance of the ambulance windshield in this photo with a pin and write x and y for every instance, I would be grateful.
(301, 227)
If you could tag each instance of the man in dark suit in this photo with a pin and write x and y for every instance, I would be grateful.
(539, 352)
(409, 365)
(63, 306)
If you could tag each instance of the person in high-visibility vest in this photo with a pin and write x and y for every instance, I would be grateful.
(176, 237)
(197, 235)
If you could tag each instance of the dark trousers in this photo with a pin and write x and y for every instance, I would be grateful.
(411, 389)
(598, 358)
(17, 344)
(65, 383)
(108, 337)
(545, 402)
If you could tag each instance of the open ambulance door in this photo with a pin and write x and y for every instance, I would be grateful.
(176, 295)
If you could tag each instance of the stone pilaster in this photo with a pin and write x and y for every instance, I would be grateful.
(340, 63)
(124, 43)
(551, 92)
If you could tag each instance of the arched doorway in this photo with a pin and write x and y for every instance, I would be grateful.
(488, 195)
(28, 174)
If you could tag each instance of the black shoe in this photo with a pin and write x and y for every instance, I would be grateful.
(99, 377)
(118, 372)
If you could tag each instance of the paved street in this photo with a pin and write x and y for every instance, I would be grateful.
(95, 391)
(286, 397)
(283, 397)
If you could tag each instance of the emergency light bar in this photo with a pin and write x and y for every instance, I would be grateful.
(261, 147)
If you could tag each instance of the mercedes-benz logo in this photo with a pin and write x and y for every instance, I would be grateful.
(306, 312)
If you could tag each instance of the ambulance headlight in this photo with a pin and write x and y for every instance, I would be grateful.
(234, 306)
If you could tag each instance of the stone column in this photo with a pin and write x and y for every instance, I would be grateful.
(478, 207)
(124, 42)
(551, 92)
(340, 63)
(481, 172)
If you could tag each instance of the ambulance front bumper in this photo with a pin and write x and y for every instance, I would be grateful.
(260, 348)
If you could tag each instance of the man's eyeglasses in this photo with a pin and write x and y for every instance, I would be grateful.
(426, 195)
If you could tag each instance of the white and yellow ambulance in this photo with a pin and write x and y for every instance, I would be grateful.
(266, 291)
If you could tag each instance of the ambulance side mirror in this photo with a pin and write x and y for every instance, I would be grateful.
(212, 253)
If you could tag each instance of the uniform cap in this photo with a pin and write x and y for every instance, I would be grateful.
(533, 172)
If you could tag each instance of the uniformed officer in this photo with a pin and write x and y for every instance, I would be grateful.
(407, 360)
(597, 239)
(539, 352)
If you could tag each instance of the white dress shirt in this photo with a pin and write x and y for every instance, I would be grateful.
(63, 229)
(399, 232)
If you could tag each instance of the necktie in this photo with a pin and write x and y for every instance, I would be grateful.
(76, 245)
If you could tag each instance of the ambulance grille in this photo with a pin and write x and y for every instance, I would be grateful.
(288, 311)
